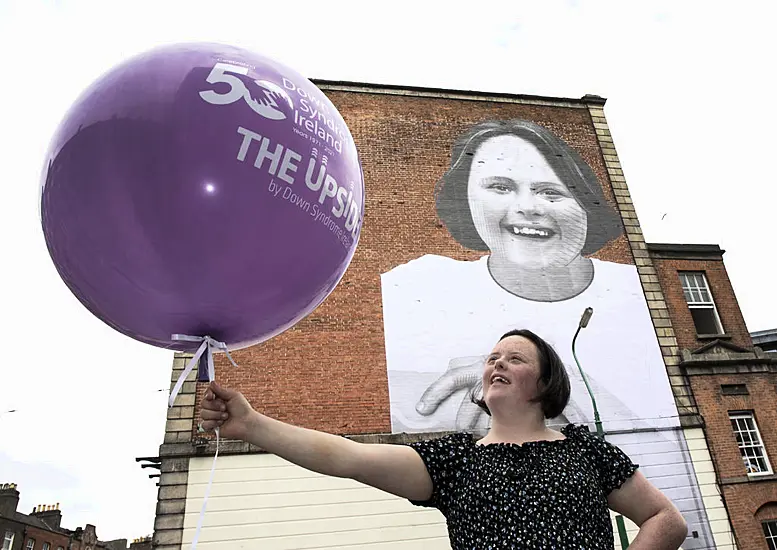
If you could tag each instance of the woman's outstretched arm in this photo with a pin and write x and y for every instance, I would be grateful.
(396, 469)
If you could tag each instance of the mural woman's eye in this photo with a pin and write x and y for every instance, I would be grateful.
(499, 185)
(551, 194)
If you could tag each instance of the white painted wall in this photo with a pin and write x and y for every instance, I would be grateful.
(263, 502)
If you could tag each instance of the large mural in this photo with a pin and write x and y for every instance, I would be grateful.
(526, 199)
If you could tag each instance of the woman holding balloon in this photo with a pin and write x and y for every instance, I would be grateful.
(163, 221)
(521, 486)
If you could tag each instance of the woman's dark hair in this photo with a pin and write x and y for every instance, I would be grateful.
(451, 191)
(555, 391)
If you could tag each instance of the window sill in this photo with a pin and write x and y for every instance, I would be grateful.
(713, 337)
(749, 478)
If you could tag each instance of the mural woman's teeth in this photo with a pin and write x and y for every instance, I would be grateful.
(531, 232)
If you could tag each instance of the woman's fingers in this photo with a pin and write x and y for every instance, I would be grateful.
(214, 405)
(207, 414)
(209, 425)
(213, 413)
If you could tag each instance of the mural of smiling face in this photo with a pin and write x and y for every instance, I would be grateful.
(520, 207)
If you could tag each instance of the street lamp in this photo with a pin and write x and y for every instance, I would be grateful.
(584, 319)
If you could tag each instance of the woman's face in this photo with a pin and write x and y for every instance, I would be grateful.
(512, 372)
(521, 209)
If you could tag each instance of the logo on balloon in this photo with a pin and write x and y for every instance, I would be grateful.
(267, 104)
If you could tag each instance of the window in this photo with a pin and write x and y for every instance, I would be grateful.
(734, 389)
(30, 544)
(699, 298)
(750, 444)
(770, 532)
(8, 540)
(46, 546)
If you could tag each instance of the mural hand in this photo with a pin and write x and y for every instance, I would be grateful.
(462, 373)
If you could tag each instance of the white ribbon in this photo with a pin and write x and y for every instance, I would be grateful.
(207, 494)
(207, 347)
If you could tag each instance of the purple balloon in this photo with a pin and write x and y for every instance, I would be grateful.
(202, 189)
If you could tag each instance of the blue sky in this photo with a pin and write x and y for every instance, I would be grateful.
(689, 91)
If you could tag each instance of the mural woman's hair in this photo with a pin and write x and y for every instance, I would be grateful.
(451, 196)
(555, 390)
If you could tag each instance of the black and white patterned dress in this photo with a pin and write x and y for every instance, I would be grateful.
(538, 495)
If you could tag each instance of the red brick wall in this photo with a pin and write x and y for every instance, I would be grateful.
(714, 407)
(742, 503)
(315, 374)
(722, 292)
(54, 539)
(743, 499)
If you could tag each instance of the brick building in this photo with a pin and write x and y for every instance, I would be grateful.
(733, 383)
(337, 370)
(42, 529)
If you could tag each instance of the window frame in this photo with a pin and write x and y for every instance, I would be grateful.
(735, 415)
(30, 544)
(5, 538)
(710, 305)
(46, 546)
(770, 533)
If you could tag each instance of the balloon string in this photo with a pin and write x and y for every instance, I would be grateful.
(208, 346)
(207, 494)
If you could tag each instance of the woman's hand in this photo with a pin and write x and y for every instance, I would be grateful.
(227, 410)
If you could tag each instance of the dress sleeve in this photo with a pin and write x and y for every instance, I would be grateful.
(444, 459)
(613, 466)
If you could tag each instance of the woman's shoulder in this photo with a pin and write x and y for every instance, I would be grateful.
(434, 263)
(431, 275)
(464, 439)
(581, 433)
(590, 441)
(445, 449)
(608, 266)
(575, 430)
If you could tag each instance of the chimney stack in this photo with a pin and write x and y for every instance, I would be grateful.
(49, 514)
(9, 500)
